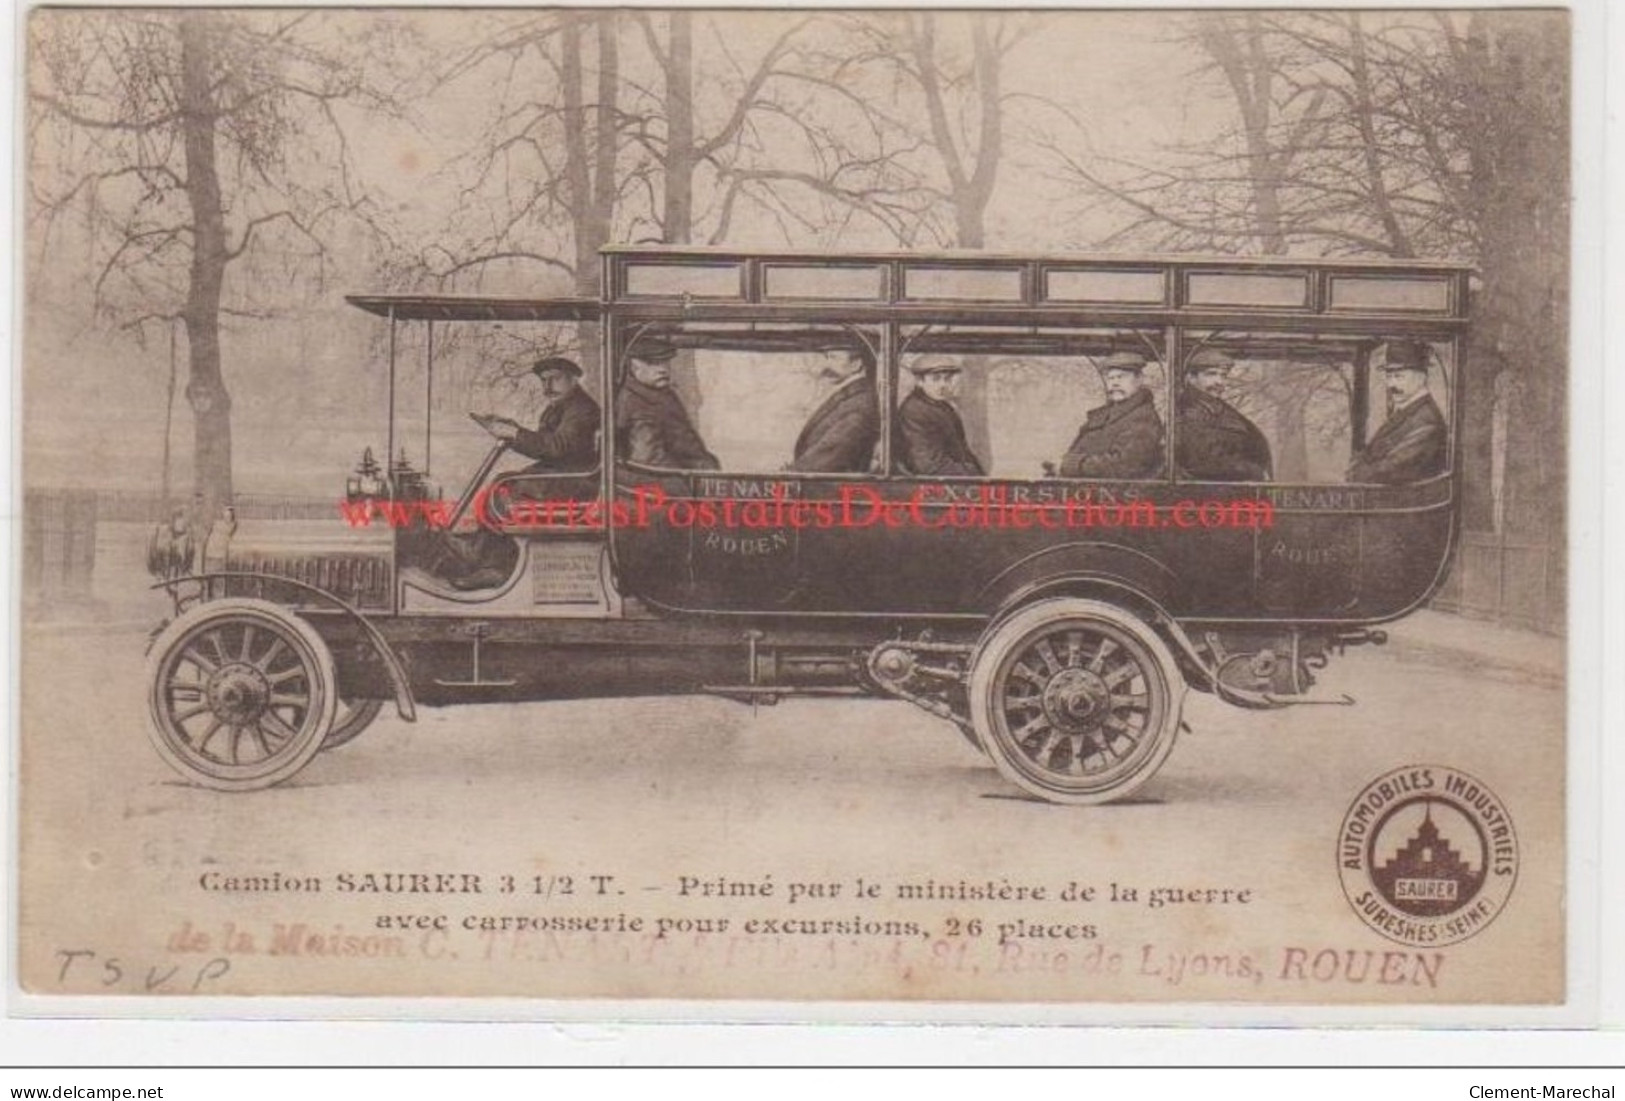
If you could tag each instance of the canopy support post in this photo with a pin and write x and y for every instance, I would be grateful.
(428, 399)
(389, 452)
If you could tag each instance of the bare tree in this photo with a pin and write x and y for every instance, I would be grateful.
(1431, 134)
(645, 126)
(173, 136)
(952, 67)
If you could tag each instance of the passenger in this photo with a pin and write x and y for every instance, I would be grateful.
(1414, 442)
(840, 436)
(1123, 438)
(930, 435)
(565, 440)
(651, 426)
(1216, 442)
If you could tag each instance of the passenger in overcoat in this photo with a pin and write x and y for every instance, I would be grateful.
(651, 426)
(840, 436)
(1123, 438)
(930, 434)
(1216, 441)
(1414, 442)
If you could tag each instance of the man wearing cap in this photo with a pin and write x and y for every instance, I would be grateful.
(1123, 438)
(565, 440)
(1216, 442)
(1414, 442)
(651, 426)
(930, 435)
(840, 436)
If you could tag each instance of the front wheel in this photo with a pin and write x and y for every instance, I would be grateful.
(1077, 701)
(353, 717)
(242, 694)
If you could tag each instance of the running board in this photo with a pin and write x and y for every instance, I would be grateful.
(770, 694)
(1342, 699)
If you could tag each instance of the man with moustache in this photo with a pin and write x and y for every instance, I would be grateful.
(1414, 442)
(1123, 438)
(651, 426)
(565, 439)
(1216, 442)
(930, 434)
(840, 436)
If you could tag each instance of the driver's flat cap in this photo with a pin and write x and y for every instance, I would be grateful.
(556, 364)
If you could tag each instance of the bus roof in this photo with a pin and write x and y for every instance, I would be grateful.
(969, 287)
(1087, 259)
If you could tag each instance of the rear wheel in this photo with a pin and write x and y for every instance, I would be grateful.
(1076, 701)
(242, 694)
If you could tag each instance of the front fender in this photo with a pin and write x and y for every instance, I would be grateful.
(405, 704)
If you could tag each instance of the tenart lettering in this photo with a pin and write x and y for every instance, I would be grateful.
(1329, 499)
(745, 488)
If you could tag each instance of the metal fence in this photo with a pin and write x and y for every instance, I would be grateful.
(84, 550)
(150, 507)
(59, 544)
(1518, 582)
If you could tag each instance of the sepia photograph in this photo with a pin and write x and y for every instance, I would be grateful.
(982, 508)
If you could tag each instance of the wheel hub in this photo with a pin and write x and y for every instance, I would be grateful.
(238, 693)
(1076, 700)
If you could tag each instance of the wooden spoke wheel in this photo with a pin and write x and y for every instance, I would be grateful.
(1077, 701)
(242, 694)
(354, 716)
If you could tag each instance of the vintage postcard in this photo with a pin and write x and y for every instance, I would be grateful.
(1058, 507)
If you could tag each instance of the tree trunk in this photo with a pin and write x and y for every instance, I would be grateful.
(970, 181)
(1249, 71)
(677, 217)
(1292, 437)
(677, 224)
(1518, 85)
(589, 167)
(1365, 116)
(205, 385)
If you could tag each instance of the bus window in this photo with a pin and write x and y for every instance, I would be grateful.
(1099, 415)
(1068, 403)
(773, 411)
(1407, 430)
(1254, 408)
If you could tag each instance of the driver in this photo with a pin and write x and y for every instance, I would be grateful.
(565, 440)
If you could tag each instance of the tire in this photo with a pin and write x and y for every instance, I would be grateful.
(353, 717)
(236, 675)
(1076, 701)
